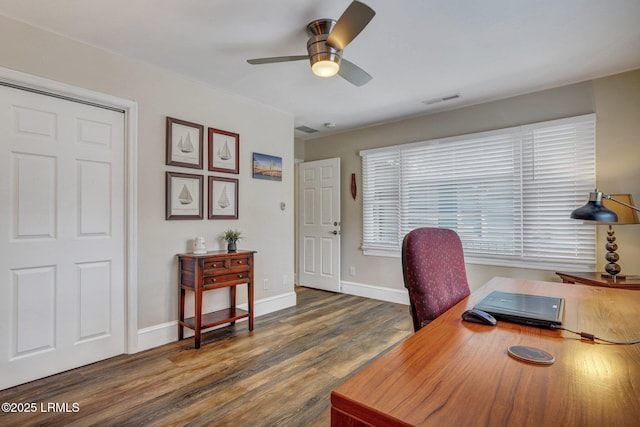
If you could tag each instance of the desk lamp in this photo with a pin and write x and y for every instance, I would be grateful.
(609, 209)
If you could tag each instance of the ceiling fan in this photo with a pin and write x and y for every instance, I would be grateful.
(327, 40)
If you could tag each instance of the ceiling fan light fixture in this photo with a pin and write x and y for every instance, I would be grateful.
(325, 68)
(325, 60)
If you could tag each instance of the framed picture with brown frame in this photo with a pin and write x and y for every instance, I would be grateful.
(224, 151)
(184, 143)
(184, 196)
(223, 198)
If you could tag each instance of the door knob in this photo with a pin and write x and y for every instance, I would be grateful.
(334, 232)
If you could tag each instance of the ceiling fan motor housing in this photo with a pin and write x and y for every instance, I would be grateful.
(317, 47)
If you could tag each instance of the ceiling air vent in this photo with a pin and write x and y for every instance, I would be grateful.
(442, 99)
(306, 129)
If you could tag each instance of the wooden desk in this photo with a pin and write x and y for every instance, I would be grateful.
(454, 373)
(214, 270)
(595, 279)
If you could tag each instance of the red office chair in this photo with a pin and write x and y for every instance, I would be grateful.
(434, 272)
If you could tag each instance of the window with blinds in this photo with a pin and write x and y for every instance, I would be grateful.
(507, 193)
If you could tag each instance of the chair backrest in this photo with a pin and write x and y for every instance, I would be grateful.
(434, 272)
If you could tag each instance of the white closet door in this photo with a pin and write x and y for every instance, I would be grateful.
(62, 300)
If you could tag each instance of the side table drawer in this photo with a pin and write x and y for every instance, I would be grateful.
(218, 264)
(230, 277)
(239, 262)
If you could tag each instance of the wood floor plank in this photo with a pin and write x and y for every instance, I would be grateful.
(282, 373)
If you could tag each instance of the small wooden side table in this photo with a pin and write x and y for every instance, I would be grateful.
(214, 270)
(596, 279)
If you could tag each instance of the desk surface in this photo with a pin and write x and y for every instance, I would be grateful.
(459, 373)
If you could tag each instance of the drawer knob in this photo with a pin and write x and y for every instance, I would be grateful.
(239, 262)
(240, 276)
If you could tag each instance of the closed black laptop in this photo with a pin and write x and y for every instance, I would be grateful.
(526, 309)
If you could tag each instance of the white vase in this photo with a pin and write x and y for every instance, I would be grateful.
(199, 246)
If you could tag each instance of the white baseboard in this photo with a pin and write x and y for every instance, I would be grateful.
(164, 333)
(157, 335)
(375, 292)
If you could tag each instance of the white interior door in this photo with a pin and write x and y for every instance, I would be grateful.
(61, 235)
(319, 224)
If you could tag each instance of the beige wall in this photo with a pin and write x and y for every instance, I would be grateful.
(615, 100)
(159, 94)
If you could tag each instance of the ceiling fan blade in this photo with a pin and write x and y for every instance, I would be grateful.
(352, 21)
(275, 59)
(353, 74)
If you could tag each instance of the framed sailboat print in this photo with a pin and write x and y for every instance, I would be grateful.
(223, 198)
(184, 196)
(224, 151)
(184, 143)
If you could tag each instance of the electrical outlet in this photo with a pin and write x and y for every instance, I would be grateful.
(352, 271)
(265, 284)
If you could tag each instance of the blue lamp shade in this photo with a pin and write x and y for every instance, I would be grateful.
(595, 210)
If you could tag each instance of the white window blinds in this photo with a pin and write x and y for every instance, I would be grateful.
(507, 193)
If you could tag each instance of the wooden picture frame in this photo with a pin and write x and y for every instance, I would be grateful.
(224, 151)
(223, 198)
(185, 141)
(267, 167)
(184, 196)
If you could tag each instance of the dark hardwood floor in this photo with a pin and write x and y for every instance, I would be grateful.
(281, 374)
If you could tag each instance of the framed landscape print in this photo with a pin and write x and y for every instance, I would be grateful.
(223, 198)
(224, 151)
(184, 196)
(184, 143)
(267, 167)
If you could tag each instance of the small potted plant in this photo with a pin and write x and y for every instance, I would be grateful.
(232, 236)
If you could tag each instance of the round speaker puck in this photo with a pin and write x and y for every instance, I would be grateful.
(531, 354)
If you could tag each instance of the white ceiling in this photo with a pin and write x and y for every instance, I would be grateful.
(416, 50)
